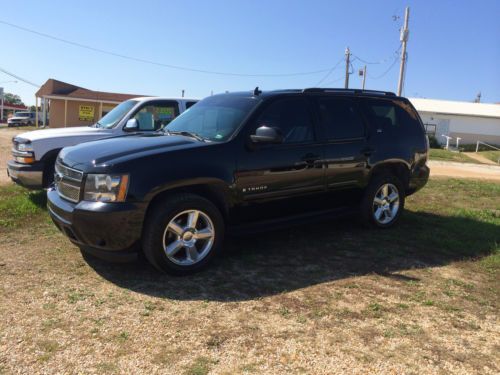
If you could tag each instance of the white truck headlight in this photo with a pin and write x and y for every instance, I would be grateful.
(105, 188)
(23, 152)
(25, 147)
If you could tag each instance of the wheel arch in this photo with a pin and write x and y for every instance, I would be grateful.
(49, 159)
(214, 190)
(398, 168)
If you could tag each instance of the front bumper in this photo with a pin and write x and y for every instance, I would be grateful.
(107, 230)
(27, 175)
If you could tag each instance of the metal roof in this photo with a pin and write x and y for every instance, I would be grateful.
(456, 108)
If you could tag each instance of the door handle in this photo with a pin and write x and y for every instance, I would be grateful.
(310, 158)
(367, 151)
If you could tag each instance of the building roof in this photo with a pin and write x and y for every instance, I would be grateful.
(10, 106)
(54, 87)
(456, 108)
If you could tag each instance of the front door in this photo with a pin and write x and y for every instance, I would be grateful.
(288, 169)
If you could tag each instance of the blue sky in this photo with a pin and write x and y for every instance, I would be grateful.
(453, 50)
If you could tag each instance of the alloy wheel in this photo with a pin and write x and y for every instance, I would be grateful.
(386, 204)
(188, 237)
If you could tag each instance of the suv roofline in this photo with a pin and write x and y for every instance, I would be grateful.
(312, 90)
(348, 91)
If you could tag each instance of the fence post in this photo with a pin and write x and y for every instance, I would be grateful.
(477, 146)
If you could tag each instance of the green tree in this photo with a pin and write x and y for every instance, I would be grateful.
(12, 98)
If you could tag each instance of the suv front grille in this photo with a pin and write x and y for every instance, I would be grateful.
(68, 182)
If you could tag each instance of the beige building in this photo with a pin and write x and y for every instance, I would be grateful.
(66, 105)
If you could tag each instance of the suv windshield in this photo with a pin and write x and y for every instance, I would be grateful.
(215, 118)
(115, 115)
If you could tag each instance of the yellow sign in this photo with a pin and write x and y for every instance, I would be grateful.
(86, 113)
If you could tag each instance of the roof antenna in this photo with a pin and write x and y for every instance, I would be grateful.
(257, 92)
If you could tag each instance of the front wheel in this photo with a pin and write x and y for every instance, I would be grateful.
(182, 234)
(383, 201)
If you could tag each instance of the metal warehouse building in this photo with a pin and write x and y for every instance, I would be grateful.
(471, 122)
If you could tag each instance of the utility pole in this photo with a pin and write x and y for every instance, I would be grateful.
(404, 39)
(1, 105)
(347, 59)
(362, 72)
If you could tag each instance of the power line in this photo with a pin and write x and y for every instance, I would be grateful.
(388, 69)
(329, 72)
(137, 59)
(19, 78)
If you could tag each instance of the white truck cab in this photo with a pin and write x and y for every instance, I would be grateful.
(35, 152)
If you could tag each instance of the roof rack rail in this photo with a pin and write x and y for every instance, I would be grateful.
(352, 91)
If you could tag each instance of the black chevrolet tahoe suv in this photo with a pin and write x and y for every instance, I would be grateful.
(237, 162)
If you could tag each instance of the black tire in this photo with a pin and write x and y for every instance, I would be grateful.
(159, 218)
(29, 123)
(367, 209)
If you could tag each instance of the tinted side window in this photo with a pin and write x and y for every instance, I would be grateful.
(190, 104)
(156, 116)
(340, 118)
(393, 116)
(291, 117)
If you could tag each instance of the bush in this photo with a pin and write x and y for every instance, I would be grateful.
(433, 142)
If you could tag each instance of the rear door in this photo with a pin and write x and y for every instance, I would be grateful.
(346, 149)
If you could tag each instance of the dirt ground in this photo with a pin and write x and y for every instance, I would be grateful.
(324, 298)
(464, 170)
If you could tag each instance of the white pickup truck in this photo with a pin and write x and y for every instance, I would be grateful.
(24, 118)
(35, 152)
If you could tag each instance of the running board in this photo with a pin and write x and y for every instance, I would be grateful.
(290, 221)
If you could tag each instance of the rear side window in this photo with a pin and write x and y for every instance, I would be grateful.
(393, 116)
(340, 118)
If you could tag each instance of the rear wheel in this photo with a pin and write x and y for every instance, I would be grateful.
(183, 234)
(383, 201)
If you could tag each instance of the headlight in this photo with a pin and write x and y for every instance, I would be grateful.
(23, 152)
(105, 188)
(25, 147)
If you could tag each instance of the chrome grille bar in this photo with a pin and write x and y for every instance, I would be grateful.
(68, 182)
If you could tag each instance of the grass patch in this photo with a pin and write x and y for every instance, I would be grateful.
(200, 366)
(491, 155)
(445, 155)
(19, 206)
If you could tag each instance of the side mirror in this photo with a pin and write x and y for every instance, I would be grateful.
(131, 125)
(266, 134)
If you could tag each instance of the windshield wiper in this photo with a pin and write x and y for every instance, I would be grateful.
(186, 134)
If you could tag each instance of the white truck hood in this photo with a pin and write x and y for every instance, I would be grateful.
(46, 140)
(79, 131)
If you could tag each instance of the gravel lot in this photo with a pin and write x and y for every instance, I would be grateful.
(332, 297)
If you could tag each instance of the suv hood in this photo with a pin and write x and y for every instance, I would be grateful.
(110, 151)
(79, 131)
(19, 117)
